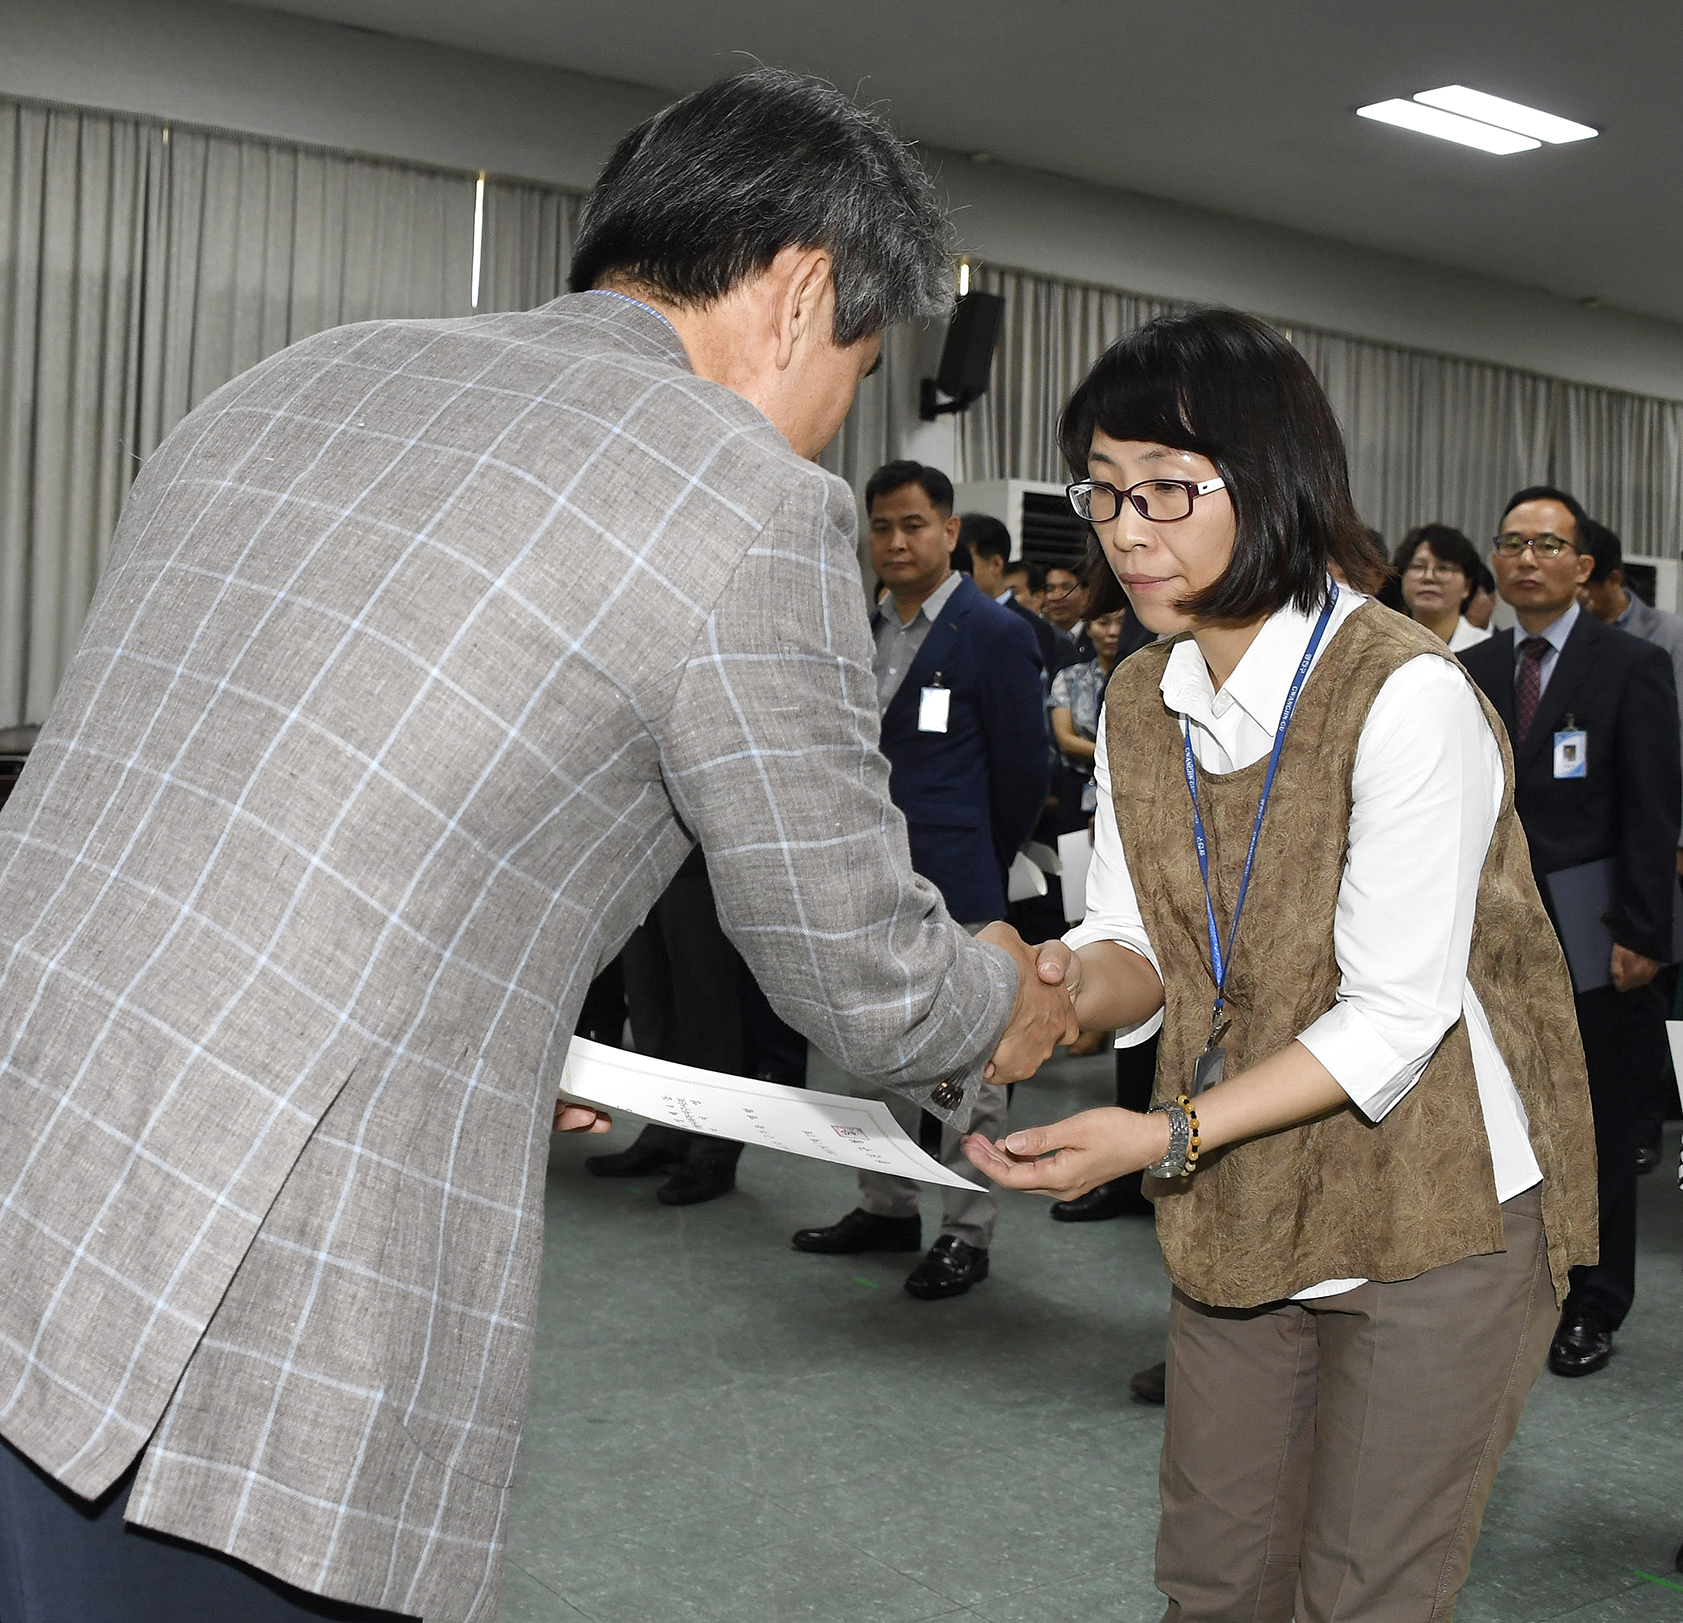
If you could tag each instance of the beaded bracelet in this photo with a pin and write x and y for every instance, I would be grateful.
(1194, 1143)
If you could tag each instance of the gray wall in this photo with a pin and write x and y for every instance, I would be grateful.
(244, 69)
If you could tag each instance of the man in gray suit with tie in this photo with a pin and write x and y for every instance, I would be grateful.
(425, 653)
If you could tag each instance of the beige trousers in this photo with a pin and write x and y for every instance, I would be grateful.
(1329, 1461)
(970, 1214)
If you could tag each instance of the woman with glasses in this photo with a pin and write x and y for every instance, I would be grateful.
(1371, 1152)
(1439, 569)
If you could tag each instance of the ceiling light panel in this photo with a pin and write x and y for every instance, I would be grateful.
(1470, 132)
(1507, 115)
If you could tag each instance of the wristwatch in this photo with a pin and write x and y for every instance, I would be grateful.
(1174, 1164)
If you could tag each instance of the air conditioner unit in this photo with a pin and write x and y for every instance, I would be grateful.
(1044, 528)
(1655, 580)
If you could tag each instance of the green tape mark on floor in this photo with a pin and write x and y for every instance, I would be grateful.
(1664, 1583)
(869, 1284)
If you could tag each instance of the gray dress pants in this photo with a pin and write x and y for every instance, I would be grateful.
(969, 1216)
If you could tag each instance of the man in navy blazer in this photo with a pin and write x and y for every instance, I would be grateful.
(1592, 714)
(964, 730)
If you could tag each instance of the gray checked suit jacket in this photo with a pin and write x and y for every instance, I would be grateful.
(425, 651)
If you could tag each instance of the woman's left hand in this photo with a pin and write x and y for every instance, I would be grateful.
(1069, 1157)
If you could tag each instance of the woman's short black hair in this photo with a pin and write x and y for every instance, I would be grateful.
(1230, 388)
(1448, 545)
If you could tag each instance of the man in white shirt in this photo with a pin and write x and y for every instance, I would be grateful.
(964, 731)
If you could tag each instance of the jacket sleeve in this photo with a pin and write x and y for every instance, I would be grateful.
(769, 752)
(1013, 716)
(1648, 790)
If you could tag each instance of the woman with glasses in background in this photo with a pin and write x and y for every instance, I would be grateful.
(1371, 1152)
(1439, 569)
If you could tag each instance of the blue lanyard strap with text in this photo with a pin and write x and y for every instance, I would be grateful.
(1219, 961)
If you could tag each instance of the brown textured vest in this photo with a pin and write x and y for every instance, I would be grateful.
(1340, 1197)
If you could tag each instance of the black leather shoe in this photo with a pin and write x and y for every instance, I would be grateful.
(693, 1182)
(1120, 1197)
(1582, 1344)
(1148, 1386)
(1647, 1157)
(637, 1162)
(862, 1231)
(950, 1268)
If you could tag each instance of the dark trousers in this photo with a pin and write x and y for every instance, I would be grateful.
(1656, 1085)
(1607, 1022)
(64, 1559)
(602, 1019)
(1136, 1075)
(691, 1000)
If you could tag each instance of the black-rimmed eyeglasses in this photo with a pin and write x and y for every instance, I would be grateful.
(1163, 501)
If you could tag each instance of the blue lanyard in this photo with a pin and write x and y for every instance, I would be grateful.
(1219, 961)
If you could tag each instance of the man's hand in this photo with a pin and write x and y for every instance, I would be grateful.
(1630, 970)
(573, 1117)
(1072, 1156)
(1042, 1017)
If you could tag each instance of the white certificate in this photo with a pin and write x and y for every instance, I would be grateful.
(826, 1126)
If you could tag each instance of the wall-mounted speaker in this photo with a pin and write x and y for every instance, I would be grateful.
(966, 357)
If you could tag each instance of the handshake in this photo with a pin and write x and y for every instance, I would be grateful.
(1043, 1017)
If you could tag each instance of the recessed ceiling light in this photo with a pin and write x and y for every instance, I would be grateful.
(1507, 115)
(1411, 115)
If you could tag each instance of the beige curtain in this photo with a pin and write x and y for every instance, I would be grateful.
(76, 202)
(1053, 332)
(528, 245)
(1622, 455)
(141, 267)
(1431, 438)
(265, 243)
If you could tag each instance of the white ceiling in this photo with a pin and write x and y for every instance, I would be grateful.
(1245, 106)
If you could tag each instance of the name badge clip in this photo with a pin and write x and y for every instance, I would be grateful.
(933, 705)
(1571, 750)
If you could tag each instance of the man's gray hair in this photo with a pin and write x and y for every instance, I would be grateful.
(709, 191)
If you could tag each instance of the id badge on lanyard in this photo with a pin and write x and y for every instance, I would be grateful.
(1211, 1065)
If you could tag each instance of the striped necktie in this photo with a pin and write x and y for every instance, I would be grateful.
(1528, 685)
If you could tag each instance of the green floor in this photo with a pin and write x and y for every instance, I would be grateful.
(725, 1429)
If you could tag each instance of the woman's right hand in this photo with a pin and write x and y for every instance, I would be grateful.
(1059, 965)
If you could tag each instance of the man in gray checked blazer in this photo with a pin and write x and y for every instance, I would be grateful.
(425, 651)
